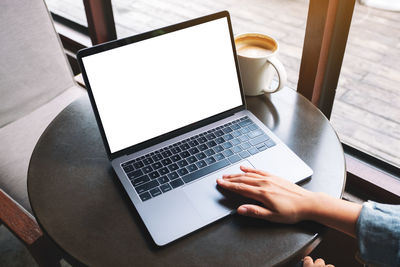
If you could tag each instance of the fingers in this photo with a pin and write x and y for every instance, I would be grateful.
(248, 172)
(241, 188)
(247, 169)
(254, 211)
(254, 181)
(308, 262)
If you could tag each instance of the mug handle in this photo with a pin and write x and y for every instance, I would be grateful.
(282, 75)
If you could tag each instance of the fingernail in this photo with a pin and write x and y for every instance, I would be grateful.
(219, 180)
(242, 210)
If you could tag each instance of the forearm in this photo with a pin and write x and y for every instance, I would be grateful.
(336, 213)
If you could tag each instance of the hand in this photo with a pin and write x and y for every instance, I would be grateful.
(308, 262)
(283, 201)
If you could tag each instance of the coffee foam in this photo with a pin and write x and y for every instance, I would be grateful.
(255, 46)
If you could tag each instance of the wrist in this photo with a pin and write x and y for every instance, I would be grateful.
(314, 206)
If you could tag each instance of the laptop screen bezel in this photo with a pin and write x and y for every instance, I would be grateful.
(147, 35)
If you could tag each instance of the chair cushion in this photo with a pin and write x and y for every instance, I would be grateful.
(33, 66)
(18, 139)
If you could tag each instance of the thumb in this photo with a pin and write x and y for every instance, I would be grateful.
(254, 211)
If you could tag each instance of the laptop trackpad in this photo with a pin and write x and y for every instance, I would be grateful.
(211, 202)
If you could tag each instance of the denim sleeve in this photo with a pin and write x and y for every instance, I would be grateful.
(378, 234)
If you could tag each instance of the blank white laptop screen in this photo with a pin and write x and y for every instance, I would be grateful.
(145, 89)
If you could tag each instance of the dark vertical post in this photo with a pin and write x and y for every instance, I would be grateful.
(328, 25)
(100, 20)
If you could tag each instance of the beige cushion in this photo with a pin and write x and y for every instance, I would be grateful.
(33, 67)
(18, 140)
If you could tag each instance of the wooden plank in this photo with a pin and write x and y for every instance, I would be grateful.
(18, 220)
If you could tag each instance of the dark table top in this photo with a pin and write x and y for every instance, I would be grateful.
(80, 204)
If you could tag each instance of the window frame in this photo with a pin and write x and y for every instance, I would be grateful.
(327, 30)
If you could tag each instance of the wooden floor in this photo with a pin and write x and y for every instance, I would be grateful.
(366, 112)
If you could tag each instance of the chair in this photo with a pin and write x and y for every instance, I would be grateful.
(36, 83)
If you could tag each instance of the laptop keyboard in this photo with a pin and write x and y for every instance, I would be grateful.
(183, 162)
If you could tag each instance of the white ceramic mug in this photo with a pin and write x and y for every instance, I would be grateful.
(257, 55)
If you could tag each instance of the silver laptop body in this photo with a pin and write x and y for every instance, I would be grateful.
(171, 111)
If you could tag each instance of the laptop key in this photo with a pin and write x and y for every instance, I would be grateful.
(210, 160)
(184, 154)
(163, 179)
(176, 183)
(165, 188)
(253, 127)
(245, 122)
(209, 152)
(227, 129)
(135, 174)
(261, 147)
(200, 156)
(128, 168)
(163, 171)
(234, 158)
(227, 153)
(182, 163)
(244, 154)
(218, 149)
(270, 143)
(219, 133)
(206, 170)
(235, 141)
(245, 145)
(184, 146)
(202, 147)
(156, 165)
(210, 136)
(175, 158)
(211, 143)
(227, 145)
(182, 171)
(219, 156)
(191, 159)
(219, 140)
(138, 165)
(236, 149)
(173, 167)
(175, 150)
(252, 150)
(172, 175)
(235, 126)
(201, 164)
(202, 140)
(147, 169)
(259, 139)
(244, 130)
(128, 163)
(194, 150)
(154, 175)
(166, 161)
(141, 180)
(148, 161)
(155, 192)
(147, 186)
(166, 154)
(236, 134)
(193, 143)
(145, 196)
(192, 168)
(156, 157)
(254, 133)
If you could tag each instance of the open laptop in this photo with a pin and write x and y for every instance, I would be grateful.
(173, 118)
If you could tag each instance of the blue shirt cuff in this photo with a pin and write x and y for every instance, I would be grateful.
(378, 234)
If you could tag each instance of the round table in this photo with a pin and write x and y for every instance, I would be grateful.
(80, 203)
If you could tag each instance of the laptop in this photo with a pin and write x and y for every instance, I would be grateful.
(170, 107)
